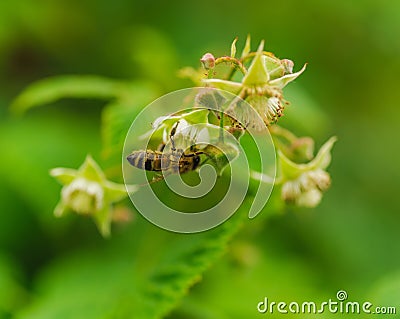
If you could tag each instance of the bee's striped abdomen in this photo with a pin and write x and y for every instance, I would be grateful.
(147, 160)
(176, 162)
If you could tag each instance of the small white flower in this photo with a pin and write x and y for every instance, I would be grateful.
(86, 191)
(83, 196)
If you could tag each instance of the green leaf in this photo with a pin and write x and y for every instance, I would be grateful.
(117, 117)
(386, 293)
(12, 295)
(52, 89)
(142, 273)
(28, 159)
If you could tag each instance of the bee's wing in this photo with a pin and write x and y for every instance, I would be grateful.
(190, 135)
(210, 98)
(246, 115)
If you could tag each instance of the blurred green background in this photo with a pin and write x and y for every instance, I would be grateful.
(350, 241)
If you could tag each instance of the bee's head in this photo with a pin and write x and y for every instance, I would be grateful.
(196, 161)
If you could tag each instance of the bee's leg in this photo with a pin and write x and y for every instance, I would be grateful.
(159, 177)
(205, 161)
(221, 127)
(161, 147)
(171, 135)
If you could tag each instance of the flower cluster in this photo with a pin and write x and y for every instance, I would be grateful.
(262, 83)
(200, 129)
(304, 184)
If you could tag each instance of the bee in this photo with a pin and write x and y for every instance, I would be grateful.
(175, 162)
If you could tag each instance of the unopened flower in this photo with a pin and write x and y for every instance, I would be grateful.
(307, 189)
(86, 191)
(297, 149)
(304, 184)
(208, 61)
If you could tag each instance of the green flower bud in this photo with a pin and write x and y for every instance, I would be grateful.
(303, 184)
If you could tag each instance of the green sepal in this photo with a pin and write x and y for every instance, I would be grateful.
(233, 48)
(91, 170)
(246, 49)
(284, 80)
(257, 73)
(64, 175)
(291, 170)
(230, 86)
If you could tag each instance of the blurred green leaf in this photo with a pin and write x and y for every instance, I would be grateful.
(117, 117)
(12, 295)
(154, 56)
(143, 273)
(303, 114)
(69, 86)
(386, 293)
(27, 159)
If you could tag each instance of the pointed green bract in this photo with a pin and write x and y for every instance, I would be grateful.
(233, 48)
(91, 170)
(246, 49)
(284, 80)
(323, 158)
(291, 170)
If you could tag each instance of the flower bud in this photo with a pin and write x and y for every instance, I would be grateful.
(306, 190)
(208, 61)
(302, 149)
(291, 191)
(320, 178)
(310, 199)
(303, 184)
(287, 65)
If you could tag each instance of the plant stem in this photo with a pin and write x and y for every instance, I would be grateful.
(235, 62)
